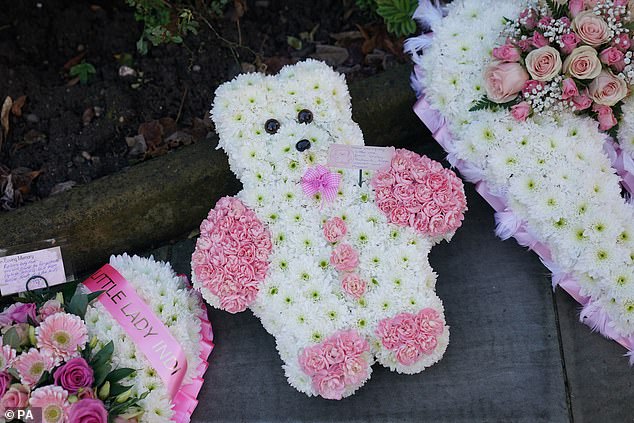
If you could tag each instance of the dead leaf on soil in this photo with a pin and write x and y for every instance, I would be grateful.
(14, 185)
(16, 109)
(88, 116)
(239, 9)
(30, 138)
(4, 119)
(74, 61)
(22, 178)
(73, 81)
(137, 146)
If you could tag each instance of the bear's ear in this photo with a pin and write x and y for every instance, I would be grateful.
(315, 86)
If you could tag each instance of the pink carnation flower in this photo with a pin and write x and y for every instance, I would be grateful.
(53, 400)
(49, 308)
(62, 334)
(32, 364)
(335, 229)
(17, 396)
(353, 285)
(344, 257)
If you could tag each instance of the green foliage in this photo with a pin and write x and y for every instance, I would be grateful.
(164, 22)
(218, 7)
(397, 14)
(84, 71)
(485, 104)
(557, 10)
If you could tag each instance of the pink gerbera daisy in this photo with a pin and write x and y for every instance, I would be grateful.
(7, 354)
(63, 334)
(53, 400)
(32, 364)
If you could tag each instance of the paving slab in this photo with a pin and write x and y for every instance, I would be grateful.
(503, 362)
(601, 383)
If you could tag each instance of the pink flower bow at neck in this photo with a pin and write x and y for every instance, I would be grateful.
(320, 180)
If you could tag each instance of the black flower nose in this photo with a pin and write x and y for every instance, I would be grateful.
(302, 145)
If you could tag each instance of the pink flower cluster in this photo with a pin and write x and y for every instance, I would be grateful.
(581, 61)
(231, 257)
(410, 336)
(337, 364)
(418, 192)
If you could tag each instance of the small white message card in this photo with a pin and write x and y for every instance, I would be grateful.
(360, 156)
(16, 270)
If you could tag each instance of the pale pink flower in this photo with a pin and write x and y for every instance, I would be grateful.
(591, 28)
(569, 89)
(32, 364)
(582, 102)
(335, 229)
(63, 334)
(544, 63)
(312, 360)
(607, 89)
(16, 397)
(353, 285)
(605, 116)
(429, 321)
(53, 401)
(507, 53)
(49, 308)
(576, 7)
(583, 63)
(330, 385)
(344, 257)
(408, 354)
(521, 111)
(504, 80)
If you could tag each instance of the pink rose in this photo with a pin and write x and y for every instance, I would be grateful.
(353, 285)
(386, 206)
(569, 89)
(521, 111)
(612, 56)
(581, 102)
(335, 229)
(583, 63)
(576, 7)
(74, 375)
(525, 45)
(607, 89)
(623, 42)
(507, 53)
(570, 42)
(344, 257)
(539, 40)
(531, 85)
(591, 28)
(605, 116)
(5, 380)
(544, 63)
(399, 216)
(88, 411)
(503, 81)
(18, 313)
(545, 21)
(16, 397)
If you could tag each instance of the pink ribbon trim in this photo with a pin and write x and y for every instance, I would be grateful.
(154, 339)
(622, 162)
(319, 179)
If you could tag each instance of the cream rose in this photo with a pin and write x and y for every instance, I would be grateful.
(583, 63)
(544, 63)
(504, 81)
(592, 29)
(607, 89)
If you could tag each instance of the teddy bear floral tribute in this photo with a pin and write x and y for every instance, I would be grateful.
(334, 264)
(531, 100)
(66, 354)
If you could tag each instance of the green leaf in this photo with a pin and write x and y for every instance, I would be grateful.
(45, 379)
(100, 373)
(119, 374)
(397, 15)
(118, 389)
(103, 356)
(485, 104)
(557, 10)
(93, 296)
(78, 304)
(11, 338)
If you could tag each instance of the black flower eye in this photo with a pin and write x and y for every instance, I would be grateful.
(271, 126)
(305, 116)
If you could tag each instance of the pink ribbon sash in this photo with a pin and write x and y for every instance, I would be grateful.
(146, 330)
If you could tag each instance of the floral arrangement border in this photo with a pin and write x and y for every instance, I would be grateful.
(621, 161)
(185, 401)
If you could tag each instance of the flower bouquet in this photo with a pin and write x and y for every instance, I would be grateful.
(531, 101)
(332, 260)
(68, 354)
(50, 365)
